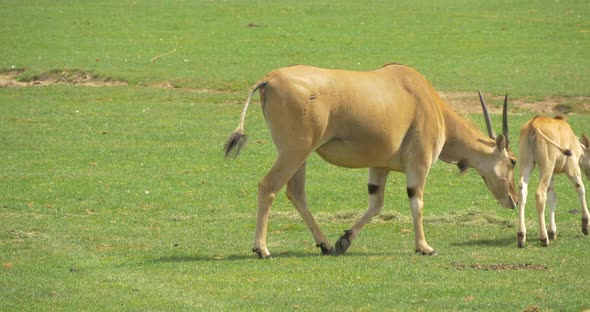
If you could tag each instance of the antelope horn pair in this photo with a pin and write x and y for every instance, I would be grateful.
(486, 115)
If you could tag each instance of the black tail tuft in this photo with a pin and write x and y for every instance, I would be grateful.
(234, 144)
(567, 152)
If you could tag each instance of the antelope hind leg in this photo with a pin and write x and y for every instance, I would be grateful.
(296, 194)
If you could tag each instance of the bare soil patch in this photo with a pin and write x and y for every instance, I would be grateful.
(10, 79)
(461, 102)
(468, 103)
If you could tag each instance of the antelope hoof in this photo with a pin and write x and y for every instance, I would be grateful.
(326, 251)
(552, 235)
(544, 242)
(258, 251)
(427, 253)
(585, 226)
(521, 239)
(343, 243)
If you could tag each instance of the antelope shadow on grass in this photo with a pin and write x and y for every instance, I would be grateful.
(235, 257)
(284, 255)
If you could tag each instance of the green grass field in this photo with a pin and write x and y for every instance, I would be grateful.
(119, 198)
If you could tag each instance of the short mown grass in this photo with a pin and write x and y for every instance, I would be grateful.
(119, 198)
(525, 48)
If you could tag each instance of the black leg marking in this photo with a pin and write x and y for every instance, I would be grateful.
(585, 226)
(373, 188)
(325, 250)
(411, 192)
(343, 243)
(544, 242)
(257, 250)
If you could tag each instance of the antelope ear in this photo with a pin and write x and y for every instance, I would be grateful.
(501, 142)
(585, 141)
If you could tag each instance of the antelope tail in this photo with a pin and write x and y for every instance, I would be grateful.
(565, 151)
(237, 139)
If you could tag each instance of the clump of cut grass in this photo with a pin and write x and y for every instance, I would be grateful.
(471, 218)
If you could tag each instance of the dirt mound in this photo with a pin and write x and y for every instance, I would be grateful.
(11, 79)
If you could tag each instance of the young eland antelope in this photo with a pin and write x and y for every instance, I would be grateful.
(551, 144)
(389, 119)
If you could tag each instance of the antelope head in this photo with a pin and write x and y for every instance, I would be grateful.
(498, 174)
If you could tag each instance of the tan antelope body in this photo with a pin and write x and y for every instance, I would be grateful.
(550, 144)
(389, 119)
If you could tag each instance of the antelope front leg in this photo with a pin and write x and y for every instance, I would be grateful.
(415, 190)
(521, 231)
(417, 204)
(376, 189)
(527, 166)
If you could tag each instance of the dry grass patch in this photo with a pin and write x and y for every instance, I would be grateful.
(499, 266)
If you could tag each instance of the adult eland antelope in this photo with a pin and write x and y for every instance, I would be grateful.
(389, 119)
(551, 144)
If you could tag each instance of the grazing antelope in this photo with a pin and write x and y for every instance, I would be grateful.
(551, 144)
(389, 119)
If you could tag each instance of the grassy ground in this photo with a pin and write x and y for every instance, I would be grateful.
(525, 48)
(118, 198)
